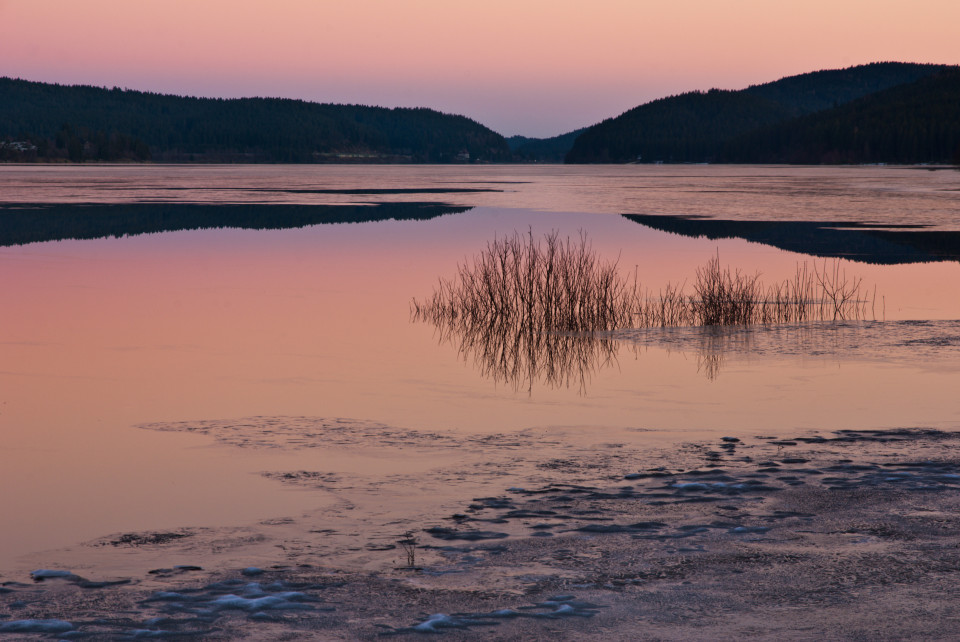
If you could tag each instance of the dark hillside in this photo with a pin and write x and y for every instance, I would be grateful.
(694, 127)
(825, 89)
(68, 121)
(684, 128)
(914, 123)
(543, 150)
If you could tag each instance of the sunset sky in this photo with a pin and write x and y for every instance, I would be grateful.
(532, 67)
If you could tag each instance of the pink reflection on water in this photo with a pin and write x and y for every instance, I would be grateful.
(99, 336)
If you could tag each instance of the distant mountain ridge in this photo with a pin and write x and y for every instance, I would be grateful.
(93, 123)
(696, 126)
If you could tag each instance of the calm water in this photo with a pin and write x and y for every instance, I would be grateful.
(206, 322)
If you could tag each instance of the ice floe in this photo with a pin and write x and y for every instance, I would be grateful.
(35, 626)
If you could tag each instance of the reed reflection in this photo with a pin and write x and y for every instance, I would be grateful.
(935, 343)
(527, 309)
(531, 310)
(523, 355)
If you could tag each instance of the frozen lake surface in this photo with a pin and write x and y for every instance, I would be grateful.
(221, 348)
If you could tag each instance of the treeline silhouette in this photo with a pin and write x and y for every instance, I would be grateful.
(699, 126)
(69, 121)
(543, 150)
(31, 223)
(914, 123)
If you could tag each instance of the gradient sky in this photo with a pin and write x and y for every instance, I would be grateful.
(532, 67)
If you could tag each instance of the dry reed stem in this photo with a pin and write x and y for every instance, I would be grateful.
(522, 284)
(528, 309)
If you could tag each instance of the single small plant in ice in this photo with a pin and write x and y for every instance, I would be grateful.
(409, 546)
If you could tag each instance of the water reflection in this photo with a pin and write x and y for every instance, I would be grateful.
(520, 355)
(863, 242)
(935, 343)
(527, 310)
(35, 223)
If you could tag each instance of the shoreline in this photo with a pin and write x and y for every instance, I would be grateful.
(841, 535)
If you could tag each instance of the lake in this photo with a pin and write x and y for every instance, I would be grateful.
(229, 351)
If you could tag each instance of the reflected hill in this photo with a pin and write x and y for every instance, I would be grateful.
(21, 224)
(876, 244)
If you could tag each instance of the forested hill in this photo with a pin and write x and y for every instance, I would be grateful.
(543, 150)
(92, 123)
(695, 127)
(914, 123)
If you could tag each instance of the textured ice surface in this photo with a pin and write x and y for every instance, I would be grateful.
(36, 626)
(44, 574)
(557, 607)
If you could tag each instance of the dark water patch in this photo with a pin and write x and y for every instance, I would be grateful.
(749, 530)
(621, 528)
(304, 478)
(646, 475)
(25, 223)
(36, 626)
(480, 503)
(43, 575)
(360, 191)
(531, 514)
(863, 242)
(147, 539)
(894, 435)
(180, 569)
(448, 534)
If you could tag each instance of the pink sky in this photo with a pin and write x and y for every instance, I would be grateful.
(532, 67)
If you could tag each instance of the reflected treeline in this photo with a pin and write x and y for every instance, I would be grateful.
(883, 245)
(34, 223)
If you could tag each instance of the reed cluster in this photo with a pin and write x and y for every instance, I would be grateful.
(520, 284)
(722, 296)
(549, 284)
(525, 310)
